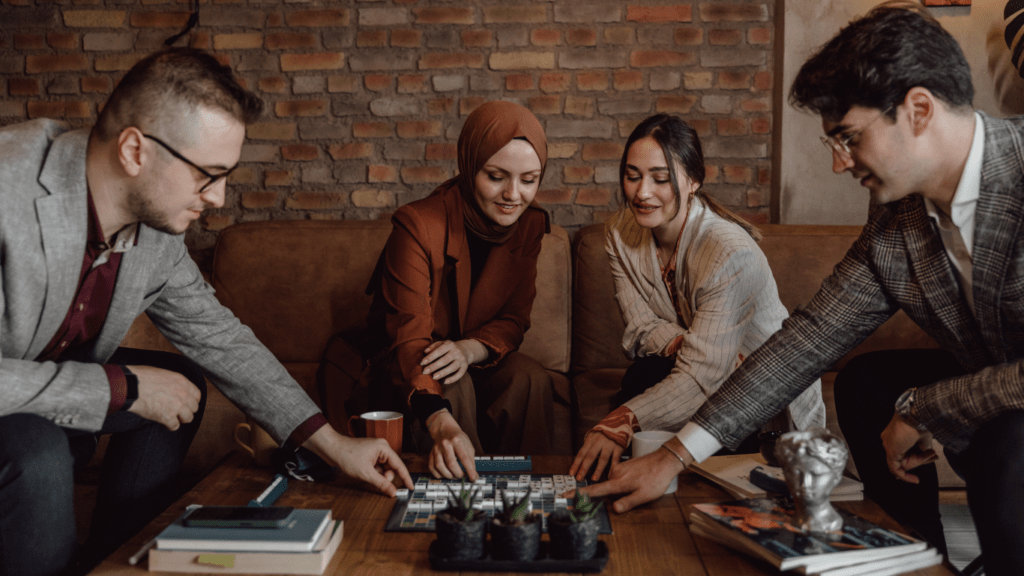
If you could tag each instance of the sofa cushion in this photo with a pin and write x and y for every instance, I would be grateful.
(597, 325)
(547, 341)
(297, 282)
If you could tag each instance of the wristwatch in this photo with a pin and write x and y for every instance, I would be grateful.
(905, 407)
(131, 388)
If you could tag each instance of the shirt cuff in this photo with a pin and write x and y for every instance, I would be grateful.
(698, 442)
(305, 430)
(118, 387)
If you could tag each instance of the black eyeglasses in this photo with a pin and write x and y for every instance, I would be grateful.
(213, 178)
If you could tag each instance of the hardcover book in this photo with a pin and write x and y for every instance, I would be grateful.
(763, 528)
(313, 562)
(300, 534)
(738, 475)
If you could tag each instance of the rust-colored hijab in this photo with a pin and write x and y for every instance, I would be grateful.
(486, 131)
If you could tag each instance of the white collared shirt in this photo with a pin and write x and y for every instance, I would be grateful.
(957, 228)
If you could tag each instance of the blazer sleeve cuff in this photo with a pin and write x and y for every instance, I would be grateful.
(424, 383)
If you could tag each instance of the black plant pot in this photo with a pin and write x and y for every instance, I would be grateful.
(572, 541)
(457, 540)
(516, 542)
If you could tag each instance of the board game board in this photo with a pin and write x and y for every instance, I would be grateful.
(415, 510)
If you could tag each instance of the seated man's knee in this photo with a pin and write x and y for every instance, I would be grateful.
(34, 454)
(196, 376)
(997, 448)
(851, 377)
(164, 360)
(181, 365)
(192, 371)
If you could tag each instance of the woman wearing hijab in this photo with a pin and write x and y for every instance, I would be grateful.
(695, 291)
(452, 297)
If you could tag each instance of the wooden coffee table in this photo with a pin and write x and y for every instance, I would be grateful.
(650, 540)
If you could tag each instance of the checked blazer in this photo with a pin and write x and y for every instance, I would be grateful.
(899, 262)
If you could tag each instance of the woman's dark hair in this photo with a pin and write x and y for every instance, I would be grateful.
(878, 58)
(679, 142)
(161, 87)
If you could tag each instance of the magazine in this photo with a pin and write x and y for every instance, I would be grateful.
(763, 528)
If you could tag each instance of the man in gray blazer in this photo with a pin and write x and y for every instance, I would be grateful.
(91, 228)
(943, 242)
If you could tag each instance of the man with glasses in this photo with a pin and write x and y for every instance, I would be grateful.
(944, 242)
(91, 235)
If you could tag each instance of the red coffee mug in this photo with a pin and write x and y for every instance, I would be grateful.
(386, 425)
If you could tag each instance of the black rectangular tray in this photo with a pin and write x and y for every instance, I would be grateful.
(542, 564)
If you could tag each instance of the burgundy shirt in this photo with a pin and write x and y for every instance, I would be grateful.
(88, 309)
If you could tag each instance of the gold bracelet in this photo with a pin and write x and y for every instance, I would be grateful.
(672, 452)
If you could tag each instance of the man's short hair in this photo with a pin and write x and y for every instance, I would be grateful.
(162, 87)
(875, 60)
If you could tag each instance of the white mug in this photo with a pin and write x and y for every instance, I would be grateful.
(647, 441)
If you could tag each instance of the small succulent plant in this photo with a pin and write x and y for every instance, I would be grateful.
(583, 508)
(460, 504)
(514, 510)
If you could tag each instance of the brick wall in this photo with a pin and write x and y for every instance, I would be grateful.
(365, 98)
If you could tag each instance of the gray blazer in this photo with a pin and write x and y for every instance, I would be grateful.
(899, 262)
(43, 223)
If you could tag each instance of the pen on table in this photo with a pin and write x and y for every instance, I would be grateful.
(272, 492)
(152, 541)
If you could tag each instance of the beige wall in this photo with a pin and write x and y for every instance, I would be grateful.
(809, 192)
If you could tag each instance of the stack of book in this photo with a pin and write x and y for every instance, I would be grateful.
(749, 476)
(305, 545)
(763, 528)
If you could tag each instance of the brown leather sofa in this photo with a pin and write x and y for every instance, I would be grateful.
(295, 283)
(800, 258)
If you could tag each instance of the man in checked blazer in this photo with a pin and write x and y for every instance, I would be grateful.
(91, 228)
(944, 242)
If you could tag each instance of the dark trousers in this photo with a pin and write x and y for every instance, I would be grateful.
(137, 480)
(646, 372)
(993, 464)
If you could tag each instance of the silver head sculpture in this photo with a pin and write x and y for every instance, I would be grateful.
(813, 462)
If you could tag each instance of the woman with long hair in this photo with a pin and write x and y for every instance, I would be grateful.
(694, 289)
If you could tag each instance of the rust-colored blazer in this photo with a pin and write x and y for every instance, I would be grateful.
(413, 297)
